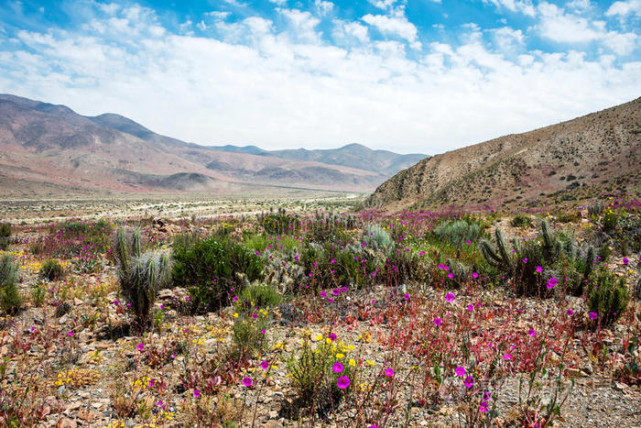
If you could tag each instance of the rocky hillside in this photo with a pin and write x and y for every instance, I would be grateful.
(568, 161)
(50, 149)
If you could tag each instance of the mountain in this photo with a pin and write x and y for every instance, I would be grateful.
(47, 147)
(568, 161)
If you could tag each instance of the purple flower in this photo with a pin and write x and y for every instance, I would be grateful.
(460, 371)
(389, 372)
(469, 381)
(475, 275)
(342, 382)
(332, 336)
(531, 332)
(450, 297)
(437, 321)
(539, 269)
(406, 296)
(552, 283)
(247, 381)
(626, 260)
(196, 393)
(338, 367)
(264, 365)
(593, 315)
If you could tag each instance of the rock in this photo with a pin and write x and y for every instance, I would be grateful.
(273, 424)
(66, 423)
(273, 414)
(77, 301)
(62, 309)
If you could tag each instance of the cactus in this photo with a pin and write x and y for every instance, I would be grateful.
(141, 275)
(499, 258)
(551, 246)
(638, 289)
(609, 298)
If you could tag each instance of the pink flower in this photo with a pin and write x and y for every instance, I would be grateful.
(332, 336)
(531, 332)
(570, 312)
(264, 365)
(450, 297)
(196, 393)
(338, 367)
(507, 357)
(450, 275)
(626, 260)
(539, 269)
(342, 382)
(460, 371)
(483, 407)
(323, 293)
(141, 346)
(470, 307)
(475, 275)
(469, 381)
(235, 299)
(437, 321)
(70, 334)
(247, 381)
(389, 372)
(593, 315)
(551, 283)
(406, 297)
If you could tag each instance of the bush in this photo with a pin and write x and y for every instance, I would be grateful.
(52, 270)
(610, 220)
(521, 220)
(38, 294)
(609, 298)
(313, 377)
(141, 275)
(5, 234)
(248, 337)
(10, 299)
(378, 239)
(210, 268)
(281, 224)
(458, 232)
(259, 296)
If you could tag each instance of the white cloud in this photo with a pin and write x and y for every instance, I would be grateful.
(278, 2)
(345, 30)
(562, 27)
(258, 84)
(323, 7)
(579, 5)
(625, 8)
(523, 6)
(303, 25)
(508, 40)
(382, 4)
(397, 25)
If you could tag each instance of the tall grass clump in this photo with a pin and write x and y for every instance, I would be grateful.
(141, 275)
(458, 232)
(52, 270)
(10, 299)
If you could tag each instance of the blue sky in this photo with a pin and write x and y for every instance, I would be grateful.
(410, 76)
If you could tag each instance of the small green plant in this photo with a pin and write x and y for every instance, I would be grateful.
(604, 254)
(38, 295)
(610, 220)
(5, 234)
(141, 275)
(10, 299)
(259, 296)
(248, 335)
(458, 232)
(315, 372)
(521, 220)
(52, 270)
(608, 298)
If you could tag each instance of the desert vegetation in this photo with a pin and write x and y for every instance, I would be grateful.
(324, 316)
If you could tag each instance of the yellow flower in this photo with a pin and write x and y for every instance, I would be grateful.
(370, 363)
(236, 315)
(352, 362)
(340, 356)
(319, 337)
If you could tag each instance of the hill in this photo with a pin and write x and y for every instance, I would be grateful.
(568, 161)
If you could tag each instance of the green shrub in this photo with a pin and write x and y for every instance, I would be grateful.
(604, 253)
(259, 296)
(281, 224)
(248, 337)
(521, 220)
(377, 238)
(313, 377)
(610, 220)
(52, 270)
(609, 297)
(38, 294)
(141, 275)
(209, 268)
(10, 299)
(5, 234)
(458, 232)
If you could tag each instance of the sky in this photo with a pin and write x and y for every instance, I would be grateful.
(413, 76)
